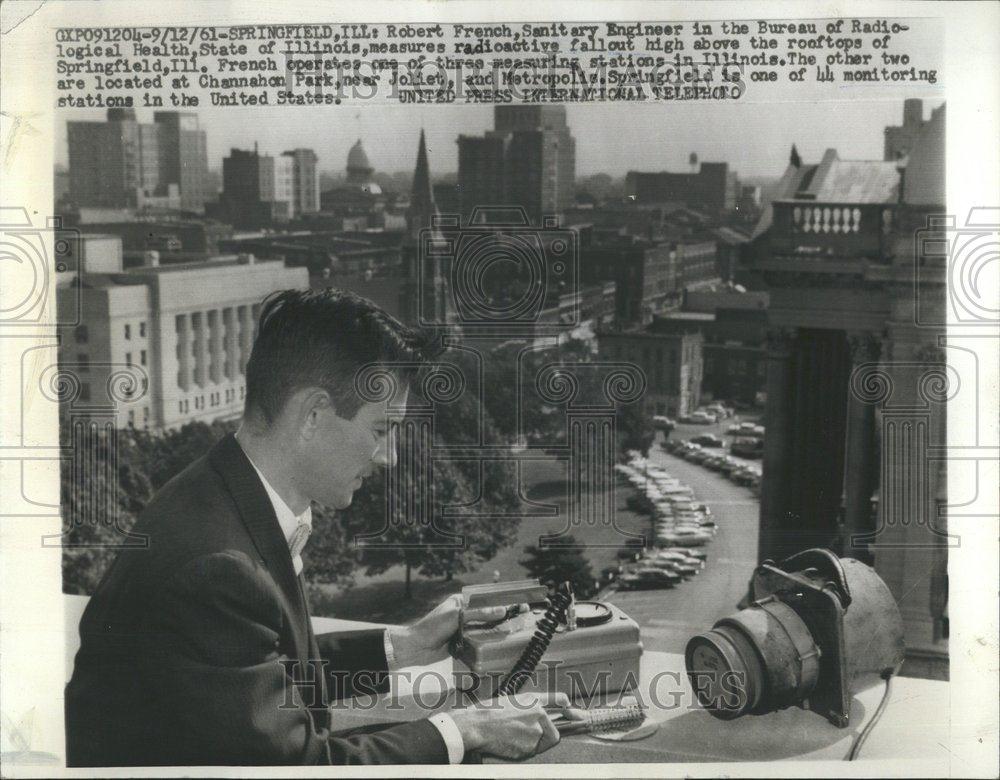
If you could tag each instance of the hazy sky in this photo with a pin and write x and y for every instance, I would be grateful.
(754, 139)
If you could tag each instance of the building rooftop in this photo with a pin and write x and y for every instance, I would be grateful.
(833, 180)
(859, 181)
(841, 181)
(687, 316)
(137, 274)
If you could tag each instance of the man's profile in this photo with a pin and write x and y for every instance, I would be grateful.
(189, 646)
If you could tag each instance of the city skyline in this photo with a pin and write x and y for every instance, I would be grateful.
(754, 139)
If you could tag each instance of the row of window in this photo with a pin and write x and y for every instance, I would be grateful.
(214, 399)
(127, 391)
(145, 417)
(82, 333)
(128, 331)
(83, 359)
(736, 367)
(650, 354)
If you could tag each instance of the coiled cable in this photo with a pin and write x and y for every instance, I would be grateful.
(537, 645)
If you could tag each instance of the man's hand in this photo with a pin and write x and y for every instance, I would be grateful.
(426, 641)
(513, 727)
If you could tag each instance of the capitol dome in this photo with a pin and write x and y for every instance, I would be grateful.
(359, 169)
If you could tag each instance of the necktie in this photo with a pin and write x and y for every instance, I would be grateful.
(299, 538)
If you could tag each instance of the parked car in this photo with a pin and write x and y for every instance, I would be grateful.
(648, 577)
(683, 568)
(629, 554)
(741, 476)
(683, 537)
(698, 418)
(707, 440)
(721, 410)
(690, 551)
(664, 424)
(747, 447)
(728, 465)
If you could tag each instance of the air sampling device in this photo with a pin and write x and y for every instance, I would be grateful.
(818, 630)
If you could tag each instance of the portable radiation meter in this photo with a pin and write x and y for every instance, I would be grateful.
(585, 649)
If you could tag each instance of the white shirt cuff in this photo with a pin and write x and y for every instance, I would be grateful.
(390, 653)
(451, 735)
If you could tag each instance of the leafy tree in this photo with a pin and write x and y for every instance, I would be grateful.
(448, 545)
(634, 430)
(561, 562)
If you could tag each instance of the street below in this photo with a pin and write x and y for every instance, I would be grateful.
(668, 618)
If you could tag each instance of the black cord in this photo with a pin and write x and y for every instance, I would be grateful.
(537, 645)
(860, 740)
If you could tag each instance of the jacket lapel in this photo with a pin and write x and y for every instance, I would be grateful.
(257, 514)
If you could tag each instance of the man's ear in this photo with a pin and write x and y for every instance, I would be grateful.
(314, 402)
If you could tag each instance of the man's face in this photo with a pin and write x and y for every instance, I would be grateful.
(345, 452)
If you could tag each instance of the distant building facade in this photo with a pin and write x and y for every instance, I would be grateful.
(257, 189)
(305, 181)
(672, 363)
(714, 188)
(899, 139)
(184, 331)
(527, 160)
(734, 350)
(650, 276)
(122, 163)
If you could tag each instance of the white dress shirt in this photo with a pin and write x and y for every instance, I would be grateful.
(289, 521)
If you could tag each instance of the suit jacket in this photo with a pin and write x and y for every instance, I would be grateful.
(198, 649)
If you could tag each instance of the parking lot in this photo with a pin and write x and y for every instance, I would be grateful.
(669, 617)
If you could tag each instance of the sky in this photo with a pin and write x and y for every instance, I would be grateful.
(754, 138)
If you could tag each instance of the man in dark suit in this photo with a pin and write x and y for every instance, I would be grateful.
(198, 649)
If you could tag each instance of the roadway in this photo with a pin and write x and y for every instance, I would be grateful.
(668, 618)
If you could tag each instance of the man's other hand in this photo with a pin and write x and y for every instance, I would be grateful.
(512, 727)
(426, 641)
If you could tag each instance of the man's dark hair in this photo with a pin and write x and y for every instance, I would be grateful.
(321, 338)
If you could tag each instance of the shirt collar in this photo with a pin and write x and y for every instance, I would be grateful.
(287, 519)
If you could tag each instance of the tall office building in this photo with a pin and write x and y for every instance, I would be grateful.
(305, 194)
(122, 163)
(257, 189)
(284, 186)
(104, 161)
(527, 160)
(183, 156)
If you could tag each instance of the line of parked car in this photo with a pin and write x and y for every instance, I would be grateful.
(681, 525)
(708, 415)
(703, 450)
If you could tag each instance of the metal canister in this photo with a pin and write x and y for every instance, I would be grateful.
(823, 630)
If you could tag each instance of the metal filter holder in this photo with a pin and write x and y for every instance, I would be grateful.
(818, 630)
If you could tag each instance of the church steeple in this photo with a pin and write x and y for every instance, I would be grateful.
(422, 206)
